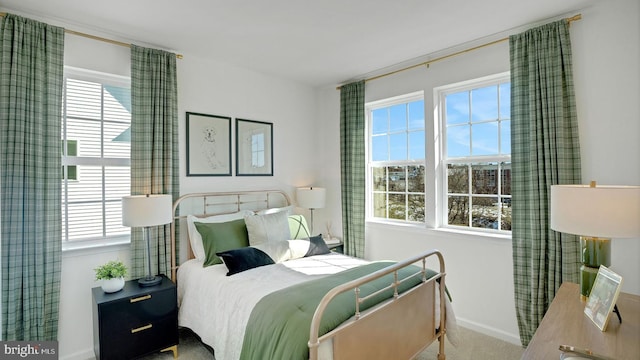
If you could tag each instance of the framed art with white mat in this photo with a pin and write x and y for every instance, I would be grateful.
(602, 299)
(254, 148)
(208, 145)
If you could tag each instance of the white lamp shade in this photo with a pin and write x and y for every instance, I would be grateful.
(311, 197)
(146, 210)
(601, 211)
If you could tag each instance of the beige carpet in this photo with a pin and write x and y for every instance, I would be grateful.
(476, 346)
(473, 345)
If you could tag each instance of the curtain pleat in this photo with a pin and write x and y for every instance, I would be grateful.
(154, 147)
(31, 79)
(545, 151)
(353, 165)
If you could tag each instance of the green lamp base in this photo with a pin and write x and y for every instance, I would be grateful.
(595, 252)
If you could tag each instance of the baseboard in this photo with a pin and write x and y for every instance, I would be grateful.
(490, 331)
(80, 355)
(471, 325)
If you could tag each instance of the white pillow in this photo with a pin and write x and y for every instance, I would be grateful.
(266, 228)
(283, 250)
(287, 209)
(195, 239)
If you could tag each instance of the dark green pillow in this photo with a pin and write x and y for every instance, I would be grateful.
(317, 246)
(218, 237)
(239, 260)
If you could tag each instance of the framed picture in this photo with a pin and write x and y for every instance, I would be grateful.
(208, 145)
(254, 148)
(602, 299)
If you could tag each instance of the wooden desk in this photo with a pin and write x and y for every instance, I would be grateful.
(566, 324)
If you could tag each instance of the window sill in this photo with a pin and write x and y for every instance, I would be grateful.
(95, 247)
(403, 225)
(442, 230)
(489, 235)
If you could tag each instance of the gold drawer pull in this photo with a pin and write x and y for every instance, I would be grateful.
(141, 328)
(141, 298)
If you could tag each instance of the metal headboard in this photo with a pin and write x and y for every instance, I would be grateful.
(219, 203)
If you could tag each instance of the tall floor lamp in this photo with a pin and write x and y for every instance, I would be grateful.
(311, 198)
(597, 214)
(146, 211)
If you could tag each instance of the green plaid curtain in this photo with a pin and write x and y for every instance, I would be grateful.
(352, 160)
(154, 146)
(544, 152)
(31, 68)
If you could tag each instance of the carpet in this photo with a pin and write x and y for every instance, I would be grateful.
(473, 345)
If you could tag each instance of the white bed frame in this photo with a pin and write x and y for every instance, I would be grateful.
(398, 328)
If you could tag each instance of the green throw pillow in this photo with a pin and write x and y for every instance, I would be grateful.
(218, 237)
(298, 227)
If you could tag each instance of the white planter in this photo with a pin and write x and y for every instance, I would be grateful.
(113, 285)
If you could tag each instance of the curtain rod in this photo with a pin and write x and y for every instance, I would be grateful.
(426, 63)
(93, 37)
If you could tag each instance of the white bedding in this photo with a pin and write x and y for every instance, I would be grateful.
(221, 322)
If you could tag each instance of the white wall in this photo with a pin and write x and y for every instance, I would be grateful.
(606, 52)
(479, 269)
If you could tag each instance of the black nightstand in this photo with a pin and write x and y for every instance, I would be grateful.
(135, 321)
(337, 247)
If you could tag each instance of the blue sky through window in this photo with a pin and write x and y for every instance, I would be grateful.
(484, 104)
(398, 132)
(416, 115)
(416, 145)
(478, 121)
(398, 146)
(380, 121)
(398, 118)
(458, 108)
(379, 148)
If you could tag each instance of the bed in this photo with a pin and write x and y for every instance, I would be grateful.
(284, 296)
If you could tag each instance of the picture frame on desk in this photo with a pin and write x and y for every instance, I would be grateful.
(603, 297)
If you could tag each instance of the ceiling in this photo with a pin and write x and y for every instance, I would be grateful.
(319, 43)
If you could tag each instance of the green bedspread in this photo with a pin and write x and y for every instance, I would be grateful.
(278, 326)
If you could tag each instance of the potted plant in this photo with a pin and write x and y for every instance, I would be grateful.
(112, 275)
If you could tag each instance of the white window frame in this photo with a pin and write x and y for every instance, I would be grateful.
(442, 161)
(369, 201)
(108, 79)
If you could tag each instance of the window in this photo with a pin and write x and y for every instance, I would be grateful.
(396, 158)
(462, 178)
(96, 149)
(70, 172)
(475, 123)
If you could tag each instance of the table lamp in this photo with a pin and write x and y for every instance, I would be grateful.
(146, 211)
(597, 214)
(311, 198)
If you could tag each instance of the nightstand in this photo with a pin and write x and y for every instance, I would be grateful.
(336, 247)
(135, 321)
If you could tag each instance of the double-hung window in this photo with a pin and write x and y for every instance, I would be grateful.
(476, 153)
(396, 154)
(96, 150)
(458, 177)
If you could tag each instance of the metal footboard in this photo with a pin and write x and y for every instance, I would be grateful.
(400, 327)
